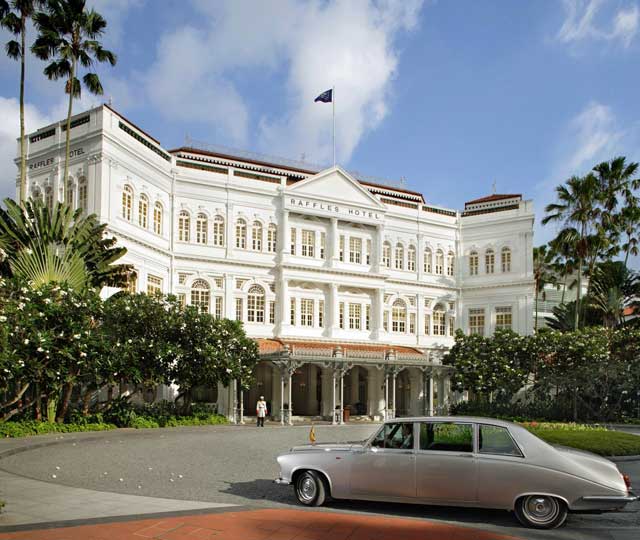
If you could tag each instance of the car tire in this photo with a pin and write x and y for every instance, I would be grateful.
(541, 511)
(310, 489)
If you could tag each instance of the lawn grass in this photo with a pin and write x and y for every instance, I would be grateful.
(598, 441)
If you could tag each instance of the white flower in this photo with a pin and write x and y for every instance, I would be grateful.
(26, 342)
(47, 300)
(76, 336)
(3, 318)
(40, 349)
(83, 354)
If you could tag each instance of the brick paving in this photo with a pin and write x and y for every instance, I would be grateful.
(263, 525)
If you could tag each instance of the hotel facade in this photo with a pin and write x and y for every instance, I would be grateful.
(352, 288)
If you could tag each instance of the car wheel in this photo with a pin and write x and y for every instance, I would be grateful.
(310, 489)
(541, 511)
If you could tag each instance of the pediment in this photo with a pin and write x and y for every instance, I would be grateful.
(338, 185)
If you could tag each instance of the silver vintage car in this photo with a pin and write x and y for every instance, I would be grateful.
(459, 461)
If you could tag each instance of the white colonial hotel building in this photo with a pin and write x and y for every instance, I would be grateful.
(353, 289)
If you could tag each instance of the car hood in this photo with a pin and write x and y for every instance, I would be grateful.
(327, 447)
(597, 468)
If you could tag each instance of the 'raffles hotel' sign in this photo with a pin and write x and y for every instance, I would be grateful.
(337, 210)
(51, 160)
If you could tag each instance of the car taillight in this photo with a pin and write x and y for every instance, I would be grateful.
(627, 481)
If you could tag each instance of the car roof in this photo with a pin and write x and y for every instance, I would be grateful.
(459, 419)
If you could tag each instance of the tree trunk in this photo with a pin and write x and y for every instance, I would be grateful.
(23, 149)
(64, 404)
(535, 324)
(72, 78)
(38, 403)
(17, 397)
(21, 406)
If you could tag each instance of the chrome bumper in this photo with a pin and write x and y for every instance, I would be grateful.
(605, 499)
(281, 481)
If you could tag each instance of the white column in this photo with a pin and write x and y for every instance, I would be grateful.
(282, 396)
(282, 307)
(440, 387)
(326, 392)
(386, 396)
(416, 381)
(377, 313)
(376, 249)
(420, 316)
(420, 256)
(284, 247)
(333, 242)
(290, 398)
(230, 229)
(332, 309)
(341, 397)
(229, 304)
(333, 396)
(312, 389)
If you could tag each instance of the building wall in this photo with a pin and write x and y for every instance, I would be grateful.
(110, 154)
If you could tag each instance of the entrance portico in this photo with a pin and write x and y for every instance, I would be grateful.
(318, 380)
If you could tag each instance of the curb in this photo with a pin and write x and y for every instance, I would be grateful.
(622, 459)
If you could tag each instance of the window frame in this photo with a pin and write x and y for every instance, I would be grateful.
(474, 438)
(479, 426)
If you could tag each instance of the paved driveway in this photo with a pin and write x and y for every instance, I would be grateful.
(236, 465)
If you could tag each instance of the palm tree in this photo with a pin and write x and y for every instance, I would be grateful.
(577, 210)
(14, 17)
(629, 223)
(615, 288)
(60, 246)
(542, 274)
(68, 34)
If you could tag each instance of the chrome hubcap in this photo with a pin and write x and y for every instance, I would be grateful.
(540, 509)
(307, 489)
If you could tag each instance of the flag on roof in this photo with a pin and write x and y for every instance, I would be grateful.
(325, 97)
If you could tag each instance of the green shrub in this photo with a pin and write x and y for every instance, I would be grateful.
(599, 441)
(27, 428)
(142, 422)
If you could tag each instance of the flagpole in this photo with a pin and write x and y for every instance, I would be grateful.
(333, 102)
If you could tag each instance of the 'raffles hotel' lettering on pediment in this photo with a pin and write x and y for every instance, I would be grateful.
(334, 209)
(51, 160)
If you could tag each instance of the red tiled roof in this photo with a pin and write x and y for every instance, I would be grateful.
(494, 197)
(628, 311)
(270, 346)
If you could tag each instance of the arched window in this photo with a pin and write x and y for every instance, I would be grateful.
(143, 211)
(427, 260)
(68, 192)
(386, 255)
(473, 263)
(489, 261)
(202, 224)
(132, 282)
(399, 317)
(450, 263)
(439, 262)
(439, 326)
(200, 295)
(157, 218)
(241, 234)
(36, 194)
(48, 198)
(256, 236)
(505, 259)
(399, 257)
(127, 202)
(218, 231)
(411, 259)
(272, 235)
(255, 304)
(184, 226)
(83, 195)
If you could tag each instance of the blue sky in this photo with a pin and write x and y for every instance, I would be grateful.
(450, 95)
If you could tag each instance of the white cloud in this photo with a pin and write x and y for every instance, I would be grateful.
(582, 23)
(315, 45)
(9, 132)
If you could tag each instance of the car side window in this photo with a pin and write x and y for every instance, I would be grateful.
(446, 436)
(398, 436)
(496, 440)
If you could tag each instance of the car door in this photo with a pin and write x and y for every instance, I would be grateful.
(386, 466)
(446, 465)
(502, 471)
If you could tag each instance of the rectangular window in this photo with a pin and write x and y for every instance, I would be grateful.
(308, 243)
(341, 248)
(218, 307)
(341, 310)
(489, 261)
(201, 231)
(83, 196)
(452, 326)
(218, 231)
(272, 234)
(439, 323)
(476, 321)
(427, 324)
(496, 440)
(446, 437)
(272, 313)
(293, 312)
(368, 253)
(154, 285)
(399, 257)
(473, 264)
(239, 311)
(321, 313)
(293, 240)
(306, 312)
(323, 244)
(385, 321)
(503, 318)
(367, 317)
(256, 237)
(355, 314)
(355, 250)
(386, 256)
(412, 323)
(411, 260)
(396, 435)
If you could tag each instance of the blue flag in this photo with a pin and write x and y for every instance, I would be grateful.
(325, 97)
